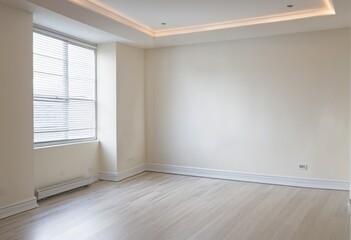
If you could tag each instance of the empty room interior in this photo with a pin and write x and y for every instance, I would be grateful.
(157, 120)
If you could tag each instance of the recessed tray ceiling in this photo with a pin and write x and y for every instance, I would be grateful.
(188, 16)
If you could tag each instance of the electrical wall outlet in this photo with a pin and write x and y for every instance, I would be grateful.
(303, 166)
(3, 191)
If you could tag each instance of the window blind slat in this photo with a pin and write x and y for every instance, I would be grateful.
(64, 91)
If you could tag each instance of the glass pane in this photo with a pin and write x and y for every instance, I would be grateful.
(63, 89)
(50, 117)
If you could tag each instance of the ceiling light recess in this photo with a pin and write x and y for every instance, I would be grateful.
(97, 7)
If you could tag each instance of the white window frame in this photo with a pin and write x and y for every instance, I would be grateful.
(78, 42)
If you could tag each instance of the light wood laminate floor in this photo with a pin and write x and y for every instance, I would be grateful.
(155, 206)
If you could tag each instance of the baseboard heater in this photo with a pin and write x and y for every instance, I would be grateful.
(62, 187)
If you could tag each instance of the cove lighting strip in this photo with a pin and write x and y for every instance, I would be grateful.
(99, 8)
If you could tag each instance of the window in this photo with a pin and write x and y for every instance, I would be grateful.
(64, 78)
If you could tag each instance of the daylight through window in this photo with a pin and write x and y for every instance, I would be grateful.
(64, 90)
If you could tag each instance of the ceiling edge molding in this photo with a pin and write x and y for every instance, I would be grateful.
(119, 17)
(245, 22)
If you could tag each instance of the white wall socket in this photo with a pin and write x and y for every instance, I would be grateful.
(3, 191)
(303, 166)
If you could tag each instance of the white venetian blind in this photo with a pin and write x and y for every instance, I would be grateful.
(64, 90)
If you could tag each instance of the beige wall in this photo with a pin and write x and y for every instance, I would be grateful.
(107, 106)
(16, 129)
(62, 163)
(257, 105)
(130, 107)
(120, 107)
(58, 164)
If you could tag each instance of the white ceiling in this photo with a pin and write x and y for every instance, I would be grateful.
(185, 13)
(138, 22)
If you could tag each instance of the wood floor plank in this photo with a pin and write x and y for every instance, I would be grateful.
(156, 206)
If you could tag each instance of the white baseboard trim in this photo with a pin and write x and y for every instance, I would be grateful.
(249, 177)
(18, 207)
(111, 176)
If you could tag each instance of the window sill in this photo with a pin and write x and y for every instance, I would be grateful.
(65, 144)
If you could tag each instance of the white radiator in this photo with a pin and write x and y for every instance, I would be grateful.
(63, 187)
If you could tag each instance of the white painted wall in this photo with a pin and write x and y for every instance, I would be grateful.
(350, 128)
(120, 107)
(58, 164)
(257, 105)
(130, 107)
(107, 106)
(16, 120)
(63, 163)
